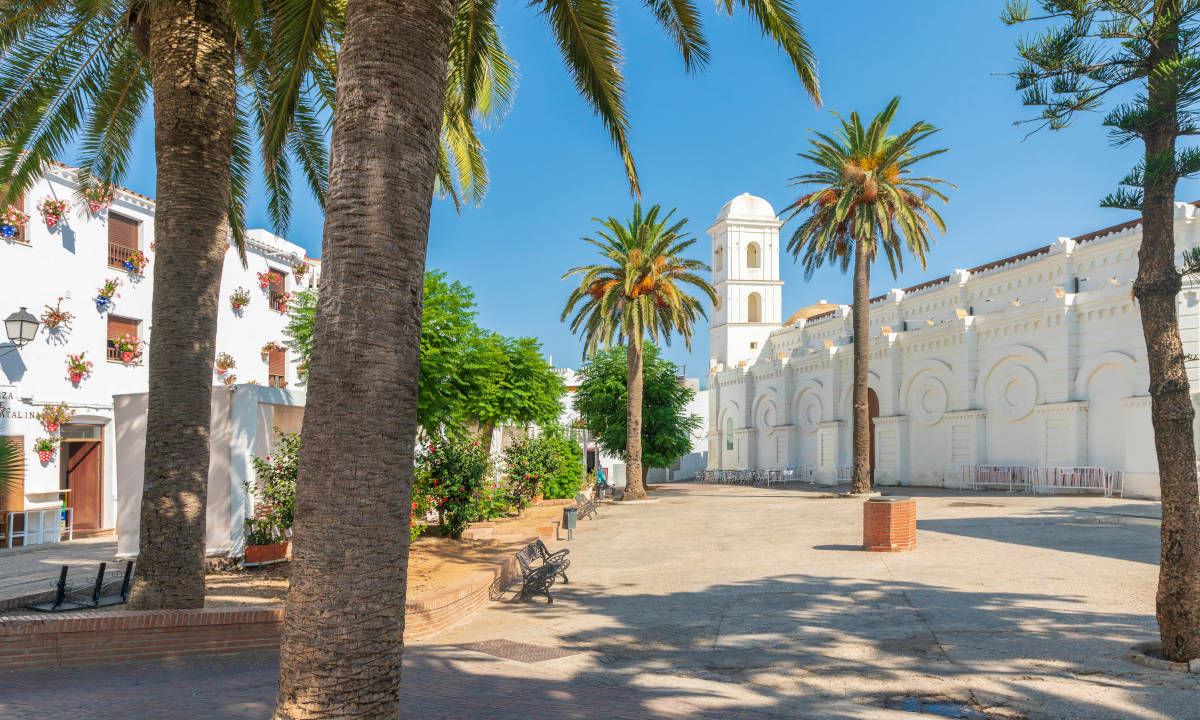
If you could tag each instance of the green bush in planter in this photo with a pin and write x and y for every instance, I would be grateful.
(567, 471)
(453, 472)
(275, 492)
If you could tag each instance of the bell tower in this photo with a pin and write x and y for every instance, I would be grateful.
(745, 263)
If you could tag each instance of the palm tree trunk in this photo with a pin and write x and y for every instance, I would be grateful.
(635, 487)
(862, 367)
(192, 73)
(344, 626)
(1171, 413)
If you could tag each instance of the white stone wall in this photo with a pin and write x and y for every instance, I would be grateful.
(1034, 360)
(71, 261)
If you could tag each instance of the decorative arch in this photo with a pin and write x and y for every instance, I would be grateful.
(807, 407)
(1013, 383)
(1095, 363)
(925, 393)
(1024, 354)
(754, 308)
(766, 411)
(753, 255)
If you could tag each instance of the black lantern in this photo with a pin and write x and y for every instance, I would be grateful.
(21, 327)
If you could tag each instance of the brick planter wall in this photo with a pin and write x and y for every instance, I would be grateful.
(890, 524)
(91, 636)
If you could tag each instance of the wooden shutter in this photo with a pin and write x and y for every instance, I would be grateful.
(118, 326)
(122, 232)
(14, 499)
(277, 363)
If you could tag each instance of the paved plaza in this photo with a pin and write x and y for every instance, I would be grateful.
(721, 602)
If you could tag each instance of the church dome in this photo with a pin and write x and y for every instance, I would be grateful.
(746, 207)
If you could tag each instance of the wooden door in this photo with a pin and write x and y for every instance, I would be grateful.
(872, 413)
(83, 479)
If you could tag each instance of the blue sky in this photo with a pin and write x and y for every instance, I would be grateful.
(700, 140)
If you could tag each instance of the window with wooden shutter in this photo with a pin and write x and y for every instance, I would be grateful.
(122, 239)
(118, 326)
(277, 289)
(13, 498)
(277, 368)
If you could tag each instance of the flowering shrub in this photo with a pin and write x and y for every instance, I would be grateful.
(128, 347)
(225, 362)
(98, 197)
(56, 317)
(275, 487)
(45, 448)
(54, 416)
(266, 278)
(52, 210)
(136, 262)
(106, 293)
(451, 473)
(78, 367)
(240, 298)
(527, 464)
(13, 217)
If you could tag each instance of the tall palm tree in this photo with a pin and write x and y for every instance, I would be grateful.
(866, 199)
(12, 464)
(637, 291)
(341, 644)
(218, 71)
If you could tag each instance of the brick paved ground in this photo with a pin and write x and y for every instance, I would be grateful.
(747, 603)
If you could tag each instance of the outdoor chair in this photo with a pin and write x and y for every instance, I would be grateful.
(557, 560)
(536, 576)
(587, 507)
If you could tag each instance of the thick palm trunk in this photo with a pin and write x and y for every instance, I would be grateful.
(862, 367)
(192, 72)
(635, 486)
(344, 626)
(1171, 413)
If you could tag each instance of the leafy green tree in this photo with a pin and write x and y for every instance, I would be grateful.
(637, 291)
(1144, 57)
(302, 312)
(341, 646)
(866, 200)
(219, 73)
(601, 401)
(515, 385)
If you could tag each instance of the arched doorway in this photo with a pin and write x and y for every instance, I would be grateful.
(872, 413)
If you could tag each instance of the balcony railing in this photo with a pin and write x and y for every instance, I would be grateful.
(277, 381)
(118, 254)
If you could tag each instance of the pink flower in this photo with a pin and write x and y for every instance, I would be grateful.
(431, 448)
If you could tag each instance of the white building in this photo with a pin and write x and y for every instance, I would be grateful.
(71, 261)
(1034, 360)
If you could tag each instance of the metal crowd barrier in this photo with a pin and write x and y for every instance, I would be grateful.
(40, 526)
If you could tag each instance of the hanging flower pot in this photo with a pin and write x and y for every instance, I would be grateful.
(52, 417)
(52, 210)
(266, 278)
(78, 367)
(45, 448)
(11, 220)
(55, 317)
(126, 357)
(106, 293)
(76, 378)
(240, 298)
(136, 262)
(98, 198)
(52, 427)
(270, 347)
(225, 363)
(128, 347)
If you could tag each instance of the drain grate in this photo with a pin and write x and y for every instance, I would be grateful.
(521, 652)
(938, 707)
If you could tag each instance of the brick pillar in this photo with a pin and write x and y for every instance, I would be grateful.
(890, 524)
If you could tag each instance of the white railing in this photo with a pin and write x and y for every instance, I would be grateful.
(1042, 479)
(39, 526)
(845, 474)
(757, 478)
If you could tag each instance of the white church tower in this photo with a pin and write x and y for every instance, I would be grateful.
(745, 263)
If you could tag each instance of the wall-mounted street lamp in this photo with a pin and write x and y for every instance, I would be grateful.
(21, 327)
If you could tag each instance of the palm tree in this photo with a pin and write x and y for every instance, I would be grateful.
(866, 199)
(341, 644)
(12, 464)
(637, 291)
(218, 71)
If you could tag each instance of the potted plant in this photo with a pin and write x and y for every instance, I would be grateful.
(52, 417)
(225, 363)
(300, 269)
(52, 210)
(267, 531)
(266, 278)
(240, 298)
(128, 347)
(55, 317)
(106, 293)
(136, 262)
(11, 220)
(281, 302)
(271, 346)
(78, 367)
(98, 198)
(229, 379)
(45, 448)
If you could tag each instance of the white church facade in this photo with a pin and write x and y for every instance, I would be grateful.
(1035, 360)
